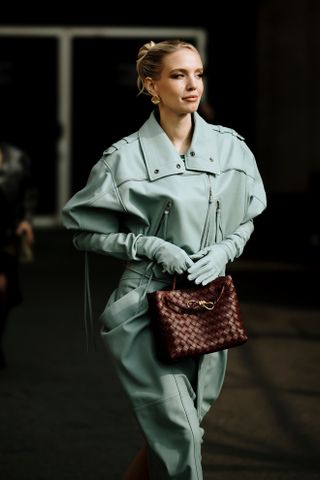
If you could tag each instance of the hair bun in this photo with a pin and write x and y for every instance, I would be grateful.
(145, 49)
(149, 45)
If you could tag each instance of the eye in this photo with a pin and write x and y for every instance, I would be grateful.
(177, 75)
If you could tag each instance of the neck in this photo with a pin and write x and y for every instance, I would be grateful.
(179, 129)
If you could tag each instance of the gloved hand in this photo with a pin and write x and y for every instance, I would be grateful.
(211, 262)
(173, 259)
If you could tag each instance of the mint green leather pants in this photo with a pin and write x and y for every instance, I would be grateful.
(169, 400)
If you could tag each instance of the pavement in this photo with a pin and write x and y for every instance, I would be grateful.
(63, 415)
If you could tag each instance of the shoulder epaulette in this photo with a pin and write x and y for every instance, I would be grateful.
(221, 129)
(117, 145)
(109, 150)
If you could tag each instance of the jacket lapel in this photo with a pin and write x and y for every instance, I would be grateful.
(162, 159)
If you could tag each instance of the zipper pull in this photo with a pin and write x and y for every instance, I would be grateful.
(167, 209)
(210, 195)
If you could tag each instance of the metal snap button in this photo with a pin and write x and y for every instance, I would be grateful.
(156, 171)
(192, 153)
(211, 159)
(178, 165)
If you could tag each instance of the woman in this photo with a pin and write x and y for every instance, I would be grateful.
(17, 204)
(176, 197)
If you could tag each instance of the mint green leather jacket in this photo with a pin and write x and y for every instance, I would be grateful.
(142, 186)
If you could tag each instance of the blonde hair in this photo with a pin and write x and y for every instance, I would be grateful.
(150, 59)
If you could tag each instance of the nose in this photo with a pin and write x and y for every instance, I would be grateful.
(192, 84)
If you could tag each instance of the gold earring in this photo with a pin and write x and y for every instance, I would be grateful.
(155, 100)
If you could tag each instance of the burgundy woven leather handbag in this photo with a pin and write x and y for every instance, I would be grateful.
(196, 320)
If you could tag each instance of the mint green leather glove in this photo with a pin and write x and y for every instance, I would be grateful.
(173, 259)
(211, 261)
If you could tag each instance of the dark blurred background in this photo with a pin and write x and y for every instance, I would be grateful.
(262, 60)
(67, 91)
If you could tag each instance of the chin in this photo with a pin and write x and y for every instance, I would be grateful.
(190, 108)
(193, 108)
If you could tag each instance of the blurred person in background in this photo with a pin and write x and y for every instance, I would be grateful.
(178, 197)
(17, 203)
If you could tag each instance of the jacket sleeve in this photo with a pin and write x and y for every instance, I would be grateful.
(256, 195)
(255, 204)
(235, 242)
(94, 214)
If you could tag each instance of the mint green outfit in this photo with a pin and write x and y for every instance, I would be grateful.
(141, 197)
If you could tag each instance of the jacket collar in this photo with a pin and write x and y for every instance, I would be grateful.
(161, 157)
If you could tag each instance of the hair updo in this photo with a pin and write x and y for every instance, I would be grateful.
(150, 59)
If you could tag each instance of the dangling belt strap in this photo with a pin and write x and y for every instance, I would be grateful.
(88, 317)
(145, 268)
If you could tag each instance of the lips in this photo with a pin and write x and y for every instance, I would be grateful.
(191, 98)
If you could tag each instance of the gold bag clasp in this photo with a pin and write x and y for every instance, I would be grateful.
(200, 304)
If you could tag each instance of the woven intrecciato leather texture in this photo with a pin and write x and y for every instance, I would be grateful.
(197, 320)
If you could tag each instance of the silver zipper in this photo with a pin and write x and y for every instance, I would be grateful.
(164, 217)
(206, 228)
(218, 213)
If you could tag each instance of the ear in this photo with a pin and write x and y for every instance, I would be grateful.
(150, 86)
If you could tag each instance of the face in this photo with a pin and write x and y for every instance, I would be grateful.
(180, 85)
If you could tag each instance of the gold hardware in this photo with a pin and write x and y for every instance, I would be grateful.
(201, 304)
